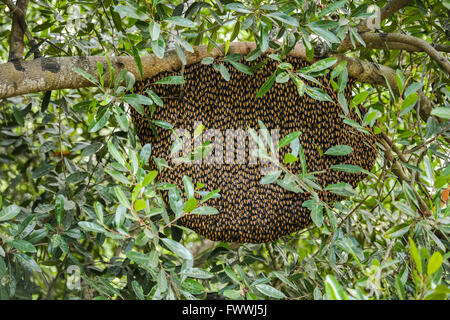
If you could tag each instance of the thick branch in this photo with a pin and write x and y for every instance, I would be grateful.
(45, 74)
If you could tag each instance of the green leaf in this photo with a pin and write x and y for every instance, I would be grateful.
(86, 75)
(208, 60)
(96, 126)
(190, 205)
(77, 177)
(18, 116)
(140, 204)
(223, 71)
(327, 35)
(154, 30)
(91, 226)
(131, 12)
(441, 112)
(197, 273)
(180, 21)
(264, 37)
(348, 168)
(317, 94)
(238, 7)
(209, 195)
(434, 263)
(331, 8)
(171, 80)
(285, 18)
(59, 208)
(398, 230)
(270, 177)
(98, 211)
(289, 158)
(163, 124)
(149, 178)
(22, 245)
(266, 85)
(122, 198)
(145, 153)
(178, 249)
(137, 290)
(118, 176)
(415, 255)
(205, 210)
(341, 188)
(135, 99)
(333, 289)
(339, 150)
(119, 216)
(188, 186)
(158, 47)
(408, 103)
(9, 212)
(270, 291)
(28, 262)
(139, 257)
(193, 286)
(91, 149)
(186, 45)
(115, 153)
(316, 209)
(42, 171)
(180, 53)
(241, 67)
(320, 65)
(288, 139)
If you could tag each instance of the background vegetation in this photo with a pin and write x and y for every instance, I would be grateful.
(81, 213)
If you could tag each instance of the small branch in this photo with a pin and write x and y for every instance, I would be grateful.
(399, 41)
(388, 10)
(391, 7)
(16, 44)
(410, 40)
(19, 28)
(378, 43)
(398, 170)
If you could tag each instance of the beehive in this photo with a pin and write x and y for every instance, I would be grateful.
(248, 210)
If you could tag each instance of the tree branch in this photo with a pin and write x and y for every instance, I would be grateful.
(380, 39)
(19, 28)
(378, 43)
(399, 172)
(388, 10)
(45, 74)
(16, 43)
(391, 7)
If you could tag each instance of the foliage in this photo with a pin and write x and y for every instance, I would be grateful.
(82, 215)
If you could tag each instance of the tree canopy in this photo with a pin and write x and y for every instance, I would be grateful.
(82, 214)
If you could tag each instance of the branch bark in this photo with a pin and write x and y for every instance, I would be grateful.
(388, 10)
(57, 73)
(16, 43)
(386, 39)
(391, 7)
(19, 28)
